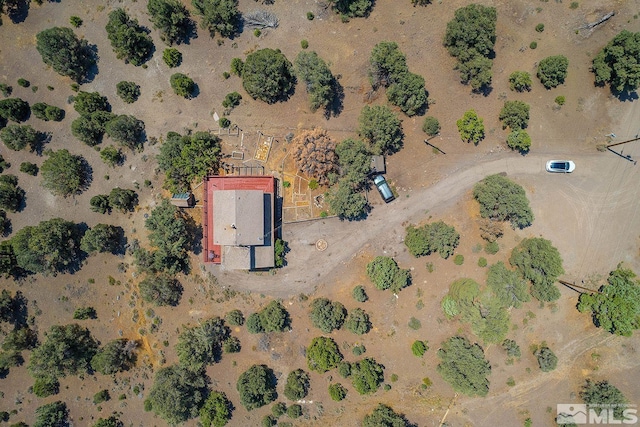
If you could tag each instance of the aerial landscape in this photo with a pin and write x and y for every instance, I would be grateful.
(310, 213)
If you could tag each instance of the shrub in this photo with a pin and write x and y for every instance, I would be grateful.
(202, 345)
(46, 386)
(553, 70)
(64, 174)
(511, 347)
(6, 89)
(385, 274)
(237, 66)
(323, 354)
(100, 204)
(520, 81)
(464, 366)
(435, 237)
(17, 137)
(14, 109)
(304, 44)
(47, 112)
(101, 396)
(128, 91)
(268, 75)
(29, 168)
(23, 82)
(471, 127)
(75, 21)
(182, 85)
(53, 414)
(83, 313)
(383, 415)
(533, 45)
(257, 387)
(224, 122)
(367, 375)
(503, 200)
(216, 411)
(111, 155)
(431, 126)
(177, 394)
(414, 324)
(358, 322)
(297, 386)
(458, 259)
(161, 290)
(86, 103)
(419, 348)
(359, 294)
(129, 41)
(171, 17)
(337, 392)
(115, 356)
(327, 315)
(234, 318)
(492, 248)
(547, 360)
(540, 28)
(231, 100)
(519, 140)
(122, 199)
(172, 57)
(515, 115)
(482, 262)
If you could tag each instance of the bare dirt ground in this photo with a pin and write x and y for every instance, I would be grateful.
(590, 215)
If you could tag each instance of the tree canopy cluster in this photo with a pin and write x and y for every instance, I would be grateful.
(187, 158)
(178, 393)
(605, 394)
(618, 63)
(367, 375)
(272, 318)
(201, 345)
(389, 69)
(345, 198)
(116, 356)
(327, 315)
(297, 385)
(381, 129)
(47, 112)
(470, 38)
(17, 137)
(323, 354)
(129, 40)
(471, 127)
(384, 272)
(501, 199)
(268, 75)
(257, 387)
(65, 174)
(515, 116)
(14, 109)
(464, 366)
(352, 8)
(384, 415)
(538, 261)
(218, 16)
(216, 411)
(429, 238)
(317, 78)
(617, 307)
(171, 17)
(552, 70)
(11, 195)
(102, 238)
(63, 51)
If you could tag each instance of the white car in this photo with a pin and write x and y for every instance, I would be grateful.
(563, 166)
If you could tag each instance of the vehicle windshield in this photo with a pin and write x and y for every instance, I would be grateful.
(559, 165)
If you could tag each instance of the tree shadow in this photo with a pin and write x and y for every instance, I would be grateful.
(335, 107)
(90, 65)
(195, 91)
(42, 139)
(626, 95)
(17, 10)
(87, 175)
(194, 231)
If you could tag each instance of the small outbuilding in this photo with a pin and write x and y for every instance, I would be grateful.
(378, 165)
(183, 200)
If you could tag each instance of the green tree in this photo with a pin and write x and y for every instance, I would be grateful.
(172, 57)
(317, 78)
(17, 137)
(268, 75)
(367, 375)
(232, 100)
(337, 392)
(519, 140)
(617, 307)
(257, 387)
(100, 203)
(64, 174)
(552, 70)
(358, 321)
(408, 93)
(11, 196)
(129, 40)
(431, 126)
(509, 288)
(66, 350)
(102, 238)
(51, 246)
(126, 130)
(470, 38)
(323, 354)
(464, 366)
(68, 55)
(274, 317)
(234, 318)
(116, 356)
(359, 294)
(47, 112)
(112, 421)
(54, 414)
(387, 64)
(202, 345)
(123, 199)
(128, 91)
(520, 81)
(161, 290)
(503, 200)
(385, 274)
(111, 155)
(46, 386)
(297, 385)
(327, 315)
(384, 415)
(352, 8)
(539, 262)
(381, 129)
(471, 127)
(218, 16)
(604, 394)
(419, 348)
(20, 338)
(511, 347)
(346, 200)
(435, 237)
(84, 313)
(86, 103)
(14, 109)
(90, 128)
(171, 17)
(170, 238)
(182, 85)
(177, 394)
(216, 411)
(515, 115)
(618, 63)
(547, 360)
(187, 158)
